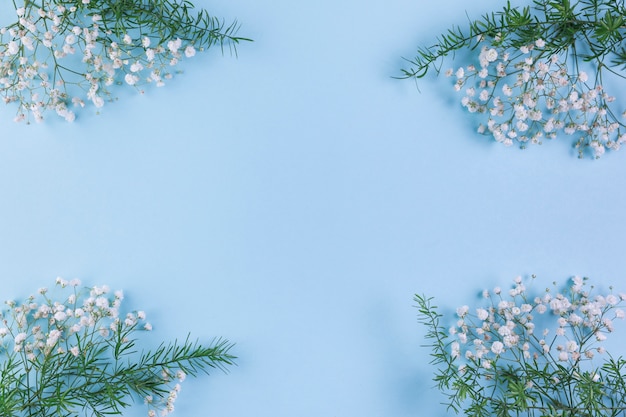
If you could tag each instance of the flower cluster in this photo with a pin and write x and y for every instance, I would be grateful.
(526, 97)
(74, 354)
(531, 355)
(540, 70)
(509, 324)
(60, 55)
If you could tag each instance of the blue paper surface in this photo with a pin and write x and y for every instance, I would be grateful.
(293, 199)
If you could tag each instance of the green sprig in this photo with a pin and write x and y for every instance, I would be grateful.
(535, 373)
(588, 29)
(78, 356)
(534, 47)
(59, 54)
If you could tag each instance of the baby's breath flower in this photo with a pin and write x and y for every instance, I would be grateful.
(525, 55)
(190, 51)
(38, 47)
(482, 314)
(43, 337)
(462, 311)
(498, 348)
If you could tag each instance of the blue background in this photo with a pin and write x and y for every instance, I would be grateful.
(294, 199)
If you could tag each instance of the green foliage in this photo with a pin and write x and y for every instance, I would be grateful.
(59, 54)
(588, 29)
(161, 20)
(541, 70)
(78, 356)
(502, 361)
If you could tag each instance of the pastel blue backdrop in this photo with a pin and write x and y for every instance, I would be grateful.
(294, 199)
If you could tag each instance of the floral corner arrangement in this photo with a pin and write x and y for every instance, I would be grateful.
(59, 55)
(540, 71)
(75, 354)
(516, 354)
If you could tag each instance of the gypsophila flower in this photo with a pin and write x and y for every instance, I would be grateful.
(542, 73)
(54, 57)
(494, 359)
(54, 351)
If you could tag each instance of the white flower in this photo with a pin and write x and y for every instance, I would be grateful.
(190, 51)
(131, 79)
(571, 346)
(174, 45)
(497, 347)
(53, 337)
(598, 149)
(136, 67)
(456, 350)
(540, 43)
(97, 101)
(28, 42)
(12, 48)
(20, 337)
(503, 305)
(574, 319)
(491, 55)
(504, 331)
(70, 116)
(578, 283)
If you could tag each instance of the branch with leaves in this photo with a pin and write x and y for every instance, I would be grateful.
(77, 355)
(540, 70)
(60, 54)
(521, 355)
